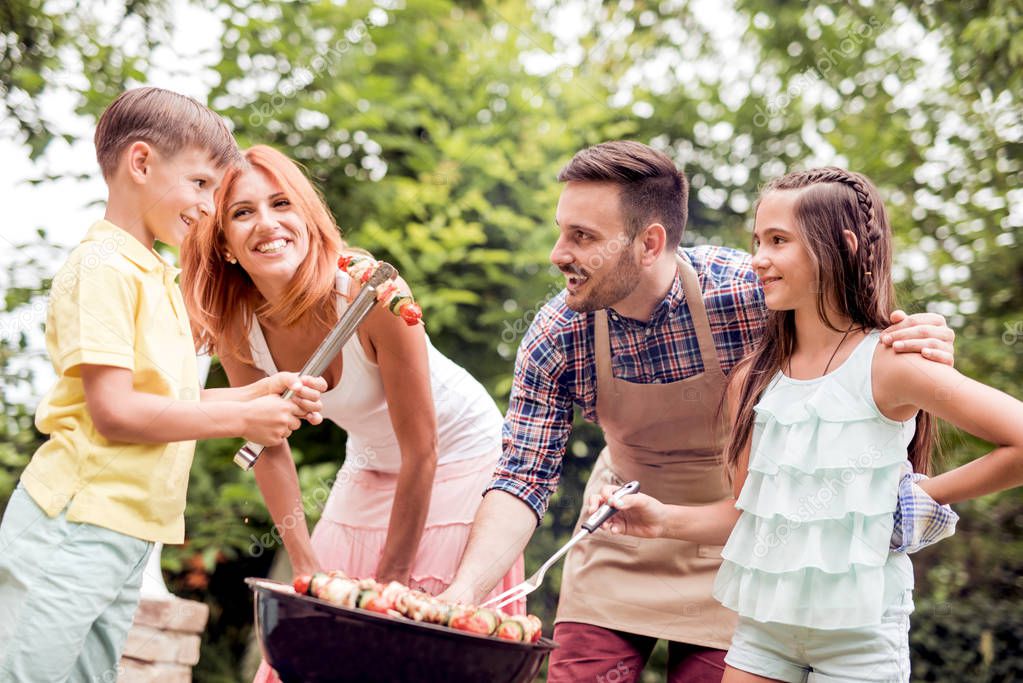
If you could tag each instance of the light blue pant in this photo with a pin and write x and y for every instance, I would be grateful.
(794, 654)
(68, 593)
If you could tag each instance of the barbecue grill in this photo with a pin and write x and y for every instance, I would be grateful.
(308, 640)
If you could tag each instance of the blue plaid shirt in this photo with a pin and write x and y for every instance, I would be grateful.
(555, 369)
(919, 519)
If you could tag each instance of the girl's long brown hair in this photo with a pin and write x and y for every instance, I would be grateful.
(857, 284)
(221, 298)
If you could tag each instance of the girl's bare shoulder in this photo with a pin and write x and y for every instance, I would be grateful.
(901, 381)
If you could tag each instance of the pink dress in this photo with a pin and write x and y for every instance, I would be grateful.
(355, 545)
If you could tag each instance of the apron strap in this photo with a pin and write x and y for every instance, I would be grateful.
(698, 311)
(602, 353)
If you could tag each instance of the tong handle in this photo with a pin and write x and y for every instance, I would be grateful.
(609, 509)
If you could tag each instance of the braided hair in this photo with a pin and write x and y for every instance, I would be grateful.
(853, 281)
(831, 201)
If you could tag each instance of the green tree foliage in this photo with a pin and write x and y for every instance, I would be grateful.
(48, 47)
(433, 145)
(24, 284)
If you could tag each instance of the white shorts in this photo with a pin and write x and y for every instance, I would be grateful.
(68, 592)
(874, 654)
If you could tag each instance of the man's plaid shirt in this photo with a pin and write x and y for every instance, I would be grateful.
(556, 367)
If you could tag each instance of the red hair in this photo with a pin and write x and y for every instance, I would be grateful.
(221, 298)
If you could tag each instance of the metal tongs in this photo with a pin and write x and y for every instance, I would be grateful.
(343, 330)
(603, 513)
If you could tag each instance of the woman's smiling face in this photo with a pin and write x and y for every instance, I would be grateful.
(264, 229)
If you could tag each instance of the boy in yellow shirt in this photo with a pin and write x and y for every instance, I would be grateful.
(125, 411)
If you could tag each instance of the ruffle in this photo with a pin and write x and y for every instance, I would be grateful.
(854, 598)
(778, 546)
(797, 496)
(811, 546)
(791, 402)
(813, 446)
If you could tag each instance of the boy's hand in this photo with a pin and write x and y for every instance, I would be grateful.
(270, 419)
(925, 333)
(638, 514)
(307, 390)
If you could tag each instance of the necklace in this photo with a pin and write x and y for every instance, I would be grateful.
(833, 353)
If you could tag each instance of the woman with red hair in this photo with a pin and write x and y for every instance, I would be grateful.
(263, 289)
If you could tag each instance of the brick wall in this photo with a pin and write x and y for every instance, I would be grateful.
(163, 643)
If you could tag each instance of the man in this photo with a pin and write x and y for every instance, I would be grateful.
(641, 339)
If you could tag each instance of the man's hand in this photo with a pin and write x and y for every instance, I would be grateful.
(925, 333)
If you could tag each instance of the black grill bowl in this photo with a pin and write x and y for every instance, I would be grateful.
(311, 641)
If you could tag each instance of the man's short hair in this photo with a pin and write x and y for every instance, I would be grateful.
(169, 121)
(653, 190)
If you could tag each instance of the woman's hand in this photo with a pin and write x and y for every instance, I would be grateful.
(306, 396)
(304, 568)
(638, 514)
(385, 575)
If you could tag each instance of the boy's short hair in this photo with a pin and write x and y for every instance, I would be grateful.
(169, 121)
(652, 188)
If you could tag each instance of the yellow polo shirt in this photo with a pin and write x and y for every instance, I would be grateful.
(115, 302)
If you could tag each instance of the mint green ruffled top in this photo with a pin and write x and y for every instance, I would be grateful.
(811, 547)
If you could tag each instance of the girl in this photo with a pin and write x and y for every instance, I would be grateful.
(263, 286)
(825, 419)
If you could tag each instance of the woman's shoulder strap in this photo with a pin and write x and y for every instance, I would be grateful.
(343, 284)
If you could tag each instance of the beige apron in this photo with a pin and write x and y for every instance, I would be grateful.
(669, 437)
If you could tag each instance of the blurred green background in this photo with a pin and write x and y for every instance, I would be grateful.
(436, 129)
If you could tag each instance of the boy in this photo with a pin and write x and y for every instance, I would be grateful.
(125, 412)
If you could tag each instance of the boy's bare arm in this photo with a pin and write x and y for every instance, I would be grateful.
(246, 393)
(120, 413)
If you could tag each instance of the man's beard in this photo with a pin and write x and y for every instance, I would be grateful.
(617, 282)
